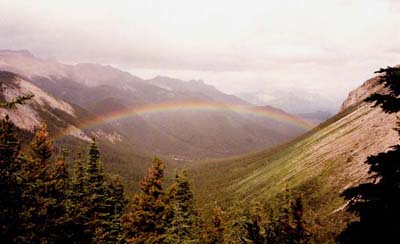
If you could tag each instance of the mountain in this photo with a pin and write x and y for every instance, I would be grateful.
(196, 88)
(30, 116)
(320, 164)
(293, 101)
(63, 120)
(366, 89)
(199, 122)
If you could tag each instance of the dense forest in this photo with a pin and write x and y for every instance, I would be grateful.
(46, 199)
(49, 201)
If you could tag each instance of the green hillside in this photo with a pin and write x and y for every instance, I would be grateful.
(319, 164)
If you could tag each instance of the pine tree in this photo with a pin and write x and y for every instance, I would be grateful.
(289, 227)
(254, 228)
(45, 192)
(280, 230)
(11, 180)
(377, 203)
(216, 230)
(57, 189)
(147, 220)
(97, 208)
(116, 202)
(37, 171)
(185, 221)
(41, 147)
(78, 210)
(299, 232)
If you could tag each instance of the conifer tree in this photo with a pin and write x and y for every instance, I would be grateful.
(78, 210)
(11, 180)
(299, 232)
(57, 202)
(185, 221)
(289, 227)
(78, 182)
(45, 192)
(216, 230)
(97, 208)
(147, 220)
(116, 202)
(254, 228)
(37, 171)
(377, 203)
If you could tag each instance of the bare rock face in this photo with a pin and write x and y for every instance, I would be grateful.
(30, 116)
(368, 88)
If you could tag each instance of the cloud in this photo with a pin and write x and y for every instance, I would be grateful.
(236, 45)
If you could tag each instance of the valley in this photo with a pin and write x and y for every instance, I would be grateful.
(199, 122)
(257, 163)
(103, 91)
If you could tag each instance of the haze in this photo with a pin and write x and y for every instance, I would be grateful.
(327, 47)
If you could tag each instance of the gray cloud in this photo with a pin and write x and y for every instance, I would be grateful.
(237, 46)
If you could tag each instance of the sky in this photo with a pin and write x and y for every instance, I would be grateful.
(328, 47)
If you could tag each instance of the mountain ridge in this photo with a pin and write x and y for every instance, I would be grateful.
(103, 90)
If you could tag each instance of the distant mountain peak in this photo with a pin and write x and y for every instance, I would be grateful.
(22, 52)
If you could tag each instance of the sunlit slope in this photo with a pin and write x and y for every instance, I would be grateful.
(328, 158)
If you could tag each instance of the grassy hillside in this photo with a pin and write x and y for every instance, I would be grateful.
(320, 164)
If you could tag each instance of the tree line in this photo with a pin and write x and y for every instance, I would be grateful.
(44, 200)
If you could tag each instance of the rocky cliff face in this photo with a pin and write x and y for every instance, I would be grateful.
(368, 88)
(42, 105)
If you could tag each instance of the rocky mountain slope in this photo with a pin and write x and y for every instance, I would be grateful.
(63, 120)
(321, 164)
(187, 134)
(29, 117)
(366, 89)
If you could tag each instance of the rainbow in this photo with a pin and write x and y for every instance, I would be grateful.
(274, 114)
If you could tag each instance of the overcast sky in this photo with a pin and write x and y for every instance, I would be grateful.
(328, 46)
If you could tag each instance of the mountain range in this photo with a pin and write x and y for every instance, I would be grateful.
(233, 155)
(306, 104)
(211, 129)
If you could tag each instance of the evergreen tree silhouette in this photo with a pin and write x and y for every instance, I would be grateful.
(147, 220)
(185, 224)
(99, 217)
(216, 230)
(377, 203)
(45, 193)
(78, 196)
(11, 183)
(116, 203)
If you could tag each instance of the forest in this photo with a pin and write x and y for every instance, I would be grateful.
(46, 199)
